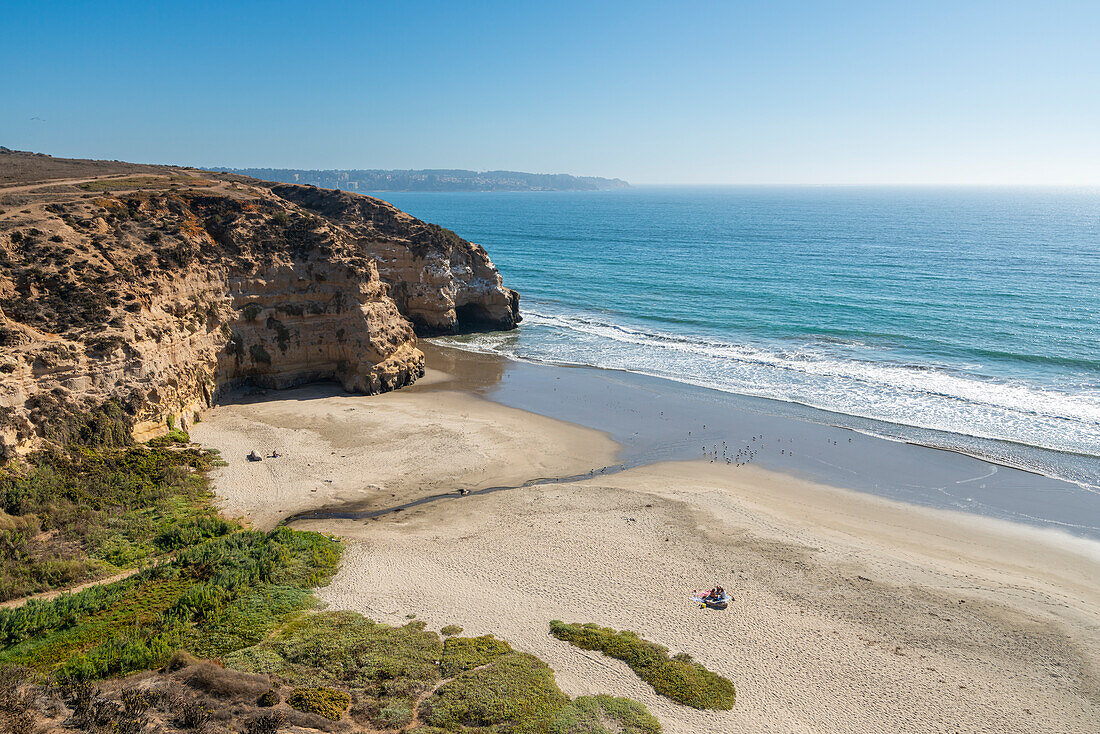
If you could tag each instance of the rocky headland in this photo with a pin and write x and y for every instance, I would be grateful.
(133, 299)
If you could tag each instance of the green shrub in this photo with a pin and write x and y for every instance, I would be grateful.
(138, 623)
(269, 698)
(465, 653)
(395, 715)
(388, 668)
(451, 630)
(604, 715)
(327, 702)
(516, 690)
(109, 508)
(192, 532)
(679, 678)
(27, 564)
(174, 436)
(345, 648)
(247, 620)
(106, 426)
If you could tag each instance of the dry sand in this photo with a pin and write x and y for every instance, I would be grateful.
(381, 450)
(852, 613)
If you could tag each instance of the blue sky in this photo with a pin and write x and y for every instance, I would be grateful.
(734, 92)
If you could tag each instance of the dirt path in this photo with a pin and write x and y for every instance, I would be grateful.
(67, 181)
(54, 593)
(47, 595)
(411, 726)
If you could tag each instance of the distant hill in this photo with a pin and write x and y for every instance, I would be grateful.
(432, 180)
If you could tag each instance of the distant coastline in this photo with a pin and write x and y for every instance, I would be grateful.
(366, 180)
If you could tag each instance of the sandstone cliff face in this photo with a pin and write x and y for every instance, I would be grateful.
(441, 282)
(163, 294)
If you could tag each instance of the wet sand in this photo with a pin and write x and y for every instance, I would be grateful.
(658, 420)
(853, 612)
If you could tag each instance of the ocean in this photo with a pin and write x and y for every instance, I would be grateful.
(966, 319)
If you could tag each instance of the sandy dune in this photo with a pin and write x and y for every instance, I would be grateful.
(852, 613)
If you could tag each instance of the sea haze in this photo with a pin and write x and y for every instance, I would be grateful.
(961, 318)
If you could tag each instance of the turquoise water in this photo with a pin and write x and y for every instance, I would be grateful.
(962, 318)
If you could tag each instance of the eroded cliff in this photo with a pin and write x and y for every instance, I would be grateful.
(441, 282)
(155, 293)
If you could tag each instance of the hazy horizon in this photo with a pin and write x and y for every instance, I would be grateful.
(717, 94)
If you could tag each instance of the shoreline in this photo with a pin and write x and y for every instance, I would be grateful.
(872, 427)
(900, 617)
(931, 476)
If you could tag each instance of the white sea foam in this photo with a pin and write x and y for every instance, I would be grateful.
(819, 375)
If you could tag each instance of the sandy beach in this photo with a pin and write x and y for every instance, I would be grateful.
(382, 450)
(852, 613)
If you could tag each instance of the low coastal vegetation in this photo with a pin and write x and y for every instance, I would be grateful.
(466, 653)
(398, 677)
(99, 508)
(516, 692)
(384, 669)
(328, 702)
(678, 677)
(213, 598)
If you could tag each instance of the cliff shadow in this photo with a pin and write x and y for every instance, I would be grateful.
(447, 369)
